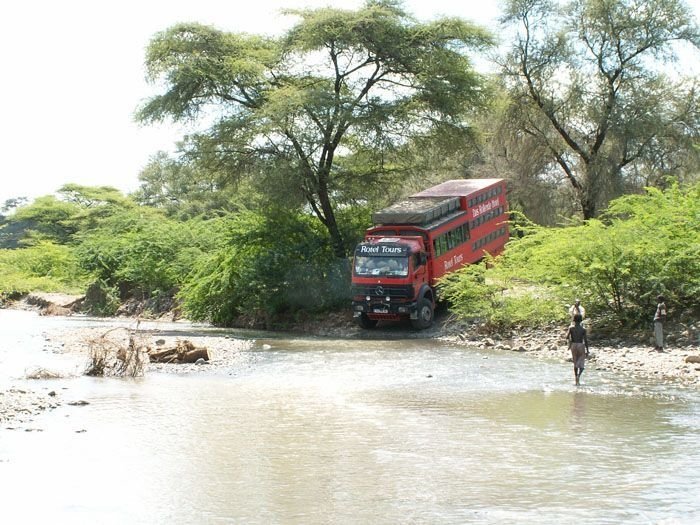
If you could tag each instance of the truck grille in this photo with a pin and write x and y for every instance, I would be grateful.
(383, 290)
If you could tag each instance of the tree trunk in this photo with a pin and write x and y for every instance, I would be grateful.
(590, 187)
(588, 207)
(330, 222)
(336, 239)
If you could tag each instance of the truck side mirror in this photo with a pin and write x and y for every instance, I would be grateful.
(422, 259)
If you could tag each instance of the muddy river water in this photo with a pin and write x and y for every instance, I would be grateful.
(325, 431)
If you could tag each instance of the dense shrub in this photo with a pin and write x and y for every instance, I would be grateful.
(142, 253)
(77, 208)
(46, 267)
(494, 296)
(644, 245)
(266, 266)
(101, 299)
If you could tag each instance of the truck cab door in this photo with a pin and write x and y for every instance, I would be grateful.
(421, 272)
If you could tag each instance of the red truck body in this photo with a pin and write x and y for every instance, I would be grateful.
(415, 242)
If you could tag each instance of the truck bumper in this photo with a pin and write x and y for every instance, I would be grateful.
(384, 309)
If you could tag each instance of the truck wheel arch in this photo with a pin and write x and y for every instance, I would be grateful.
(426, 292)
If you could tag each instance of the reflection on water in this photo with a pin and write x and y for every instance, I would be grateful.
(331, 431)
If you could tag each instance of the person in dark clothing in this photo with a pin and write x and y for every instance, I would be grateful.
(578, 344)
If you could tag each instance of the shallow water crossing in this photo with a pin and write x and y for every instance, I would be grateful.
(353, 431)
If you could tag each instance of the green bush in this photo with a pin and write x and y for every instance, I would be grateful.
(644, 245)
(266, 266)
(498, 299)
(46, 267)
(101, 299)
(142, 253)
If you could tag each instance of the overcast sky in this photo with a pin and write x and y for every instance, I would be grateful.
(72, 76)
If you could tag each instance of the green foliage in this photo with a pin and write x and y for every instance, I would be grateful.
(338, 84)
(101, 299)
(46, 267)
(263, 267)
(143, 253)
(591, 95)
(184, 191)
(58, 219)
(229, 266)
(497, 299)
(95, 203)
(94, 197)
(644, 245)
(46, 218)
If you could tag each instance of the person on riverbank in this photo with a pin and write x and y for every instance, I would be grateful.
(659, 320)
(577, 309)
(578, 344)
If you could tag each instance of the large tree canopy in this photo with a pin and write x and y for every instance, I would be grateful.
(339, 84)
(587, 81)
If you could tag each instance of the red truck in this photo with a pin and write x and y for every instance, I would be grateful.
(418, 240)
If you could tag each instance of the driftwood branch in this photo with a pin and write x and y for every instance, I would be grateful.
(183, 352)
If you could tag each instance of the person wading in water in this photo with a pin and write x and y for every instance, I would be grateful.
(578, 343)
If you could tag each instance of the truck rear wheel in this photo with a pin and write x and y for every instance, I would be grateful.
(365, 322)
(425, 315)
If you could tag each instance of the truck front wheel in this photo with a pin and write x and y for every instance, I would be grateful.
(365, 322)
(425, 315)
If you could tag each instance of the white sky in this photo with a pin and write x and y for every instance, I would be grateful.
(72, 77)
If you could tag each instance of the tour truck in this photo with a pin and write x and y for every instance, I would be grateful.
(416, 241)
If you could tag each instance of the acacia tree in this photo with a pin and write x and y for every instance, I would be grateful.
(182, 190)
(586, 82)
(338, 83)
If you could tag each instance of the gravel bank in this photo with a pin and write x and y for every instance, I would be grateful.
(22, 398)
(678, 365)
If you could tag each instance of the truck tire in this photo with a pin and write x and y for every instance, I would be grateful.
(365, 322)
(425, 315)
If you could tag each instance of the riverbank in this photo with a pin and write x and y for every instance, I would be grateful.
(628, 355)
(22, 398)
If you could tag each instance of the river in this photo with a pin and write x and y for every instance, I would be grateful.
(347, 431)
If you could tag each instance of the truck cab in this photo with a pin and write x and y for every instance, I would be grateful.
(391, 281)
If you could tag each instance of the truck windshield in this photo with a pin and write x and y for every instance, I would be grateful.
(372, 266)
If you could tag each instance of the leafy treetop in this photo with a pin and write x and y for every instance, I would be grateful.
(286, 110)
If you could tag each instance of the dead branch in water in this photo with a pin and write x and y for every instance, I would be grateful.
(109, 357)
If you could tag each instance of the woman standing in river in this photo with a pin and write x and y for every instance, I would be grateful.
(659, 320)
(578, 343)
